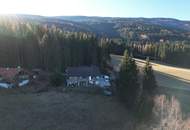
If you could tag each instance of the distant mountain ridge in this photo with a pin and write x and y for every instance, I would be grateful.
(155, 21)
(135, 29)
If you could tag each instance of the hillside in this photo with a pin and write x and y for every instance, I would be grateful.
(133, 29)
(167, 76)
(172, 81)
(140, 34)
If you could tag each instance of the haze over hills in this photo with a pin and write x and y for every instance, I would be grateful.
(134, 29)
(152, 29)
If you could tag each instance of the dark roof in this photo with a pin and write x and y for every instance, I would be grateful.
(83, 71)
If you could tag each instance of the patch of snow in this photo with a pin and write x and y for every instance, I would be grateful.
(144, 36)
(5, 85)
(23, 83)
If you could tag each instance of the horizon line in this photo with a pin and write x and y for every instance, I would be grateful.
(95, 16)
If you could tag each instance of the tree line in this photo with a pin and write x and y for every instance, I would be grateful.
(31, 45)
(175, 53)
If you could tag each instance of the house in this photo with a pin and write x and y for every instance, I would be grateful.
(10, 77)
(86, 76)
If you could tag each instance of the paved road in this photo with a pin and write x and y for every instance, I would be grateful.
(166, 76)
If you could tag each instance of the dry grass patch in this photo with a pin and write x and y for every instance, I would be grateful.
(66, 110)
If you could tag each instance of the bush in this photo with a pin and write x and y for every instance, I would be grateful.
(57, 79)
(145, 108)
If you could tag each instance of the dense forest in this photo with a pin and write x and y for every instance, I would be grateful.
(172, 53)
(135, 29)
(175, 53)
(129, 29)
(32, 45)
(58, 42)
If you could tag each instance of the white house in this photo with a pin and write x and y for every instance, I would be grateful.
(86, 76)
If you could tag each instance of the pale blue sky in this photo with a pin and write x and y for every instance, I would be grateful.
(114, 8)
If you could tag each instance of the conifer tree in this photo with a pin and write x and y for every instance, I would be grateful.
(149, 81)
(146, 102)
(128, 85)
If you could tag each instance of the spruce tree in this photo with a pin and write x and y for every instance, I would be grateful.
(149, 81)
(128, 85)
(146, 102)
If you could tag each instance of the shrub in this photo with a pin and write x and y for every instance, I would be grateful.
(57, 79)
(145, 108)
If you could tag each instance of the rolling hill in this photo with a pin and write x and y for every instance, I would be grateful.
(133, 29)
(152, 29)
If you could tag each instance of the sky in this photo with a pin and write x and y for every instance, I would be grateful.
(179, 9)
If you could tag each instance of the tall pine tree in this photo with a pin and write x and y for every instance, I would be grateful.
(146, 101)
(128, 85)
(149, 81)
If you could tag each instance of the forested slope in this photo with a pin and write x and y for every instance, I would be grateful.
(31, 44)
